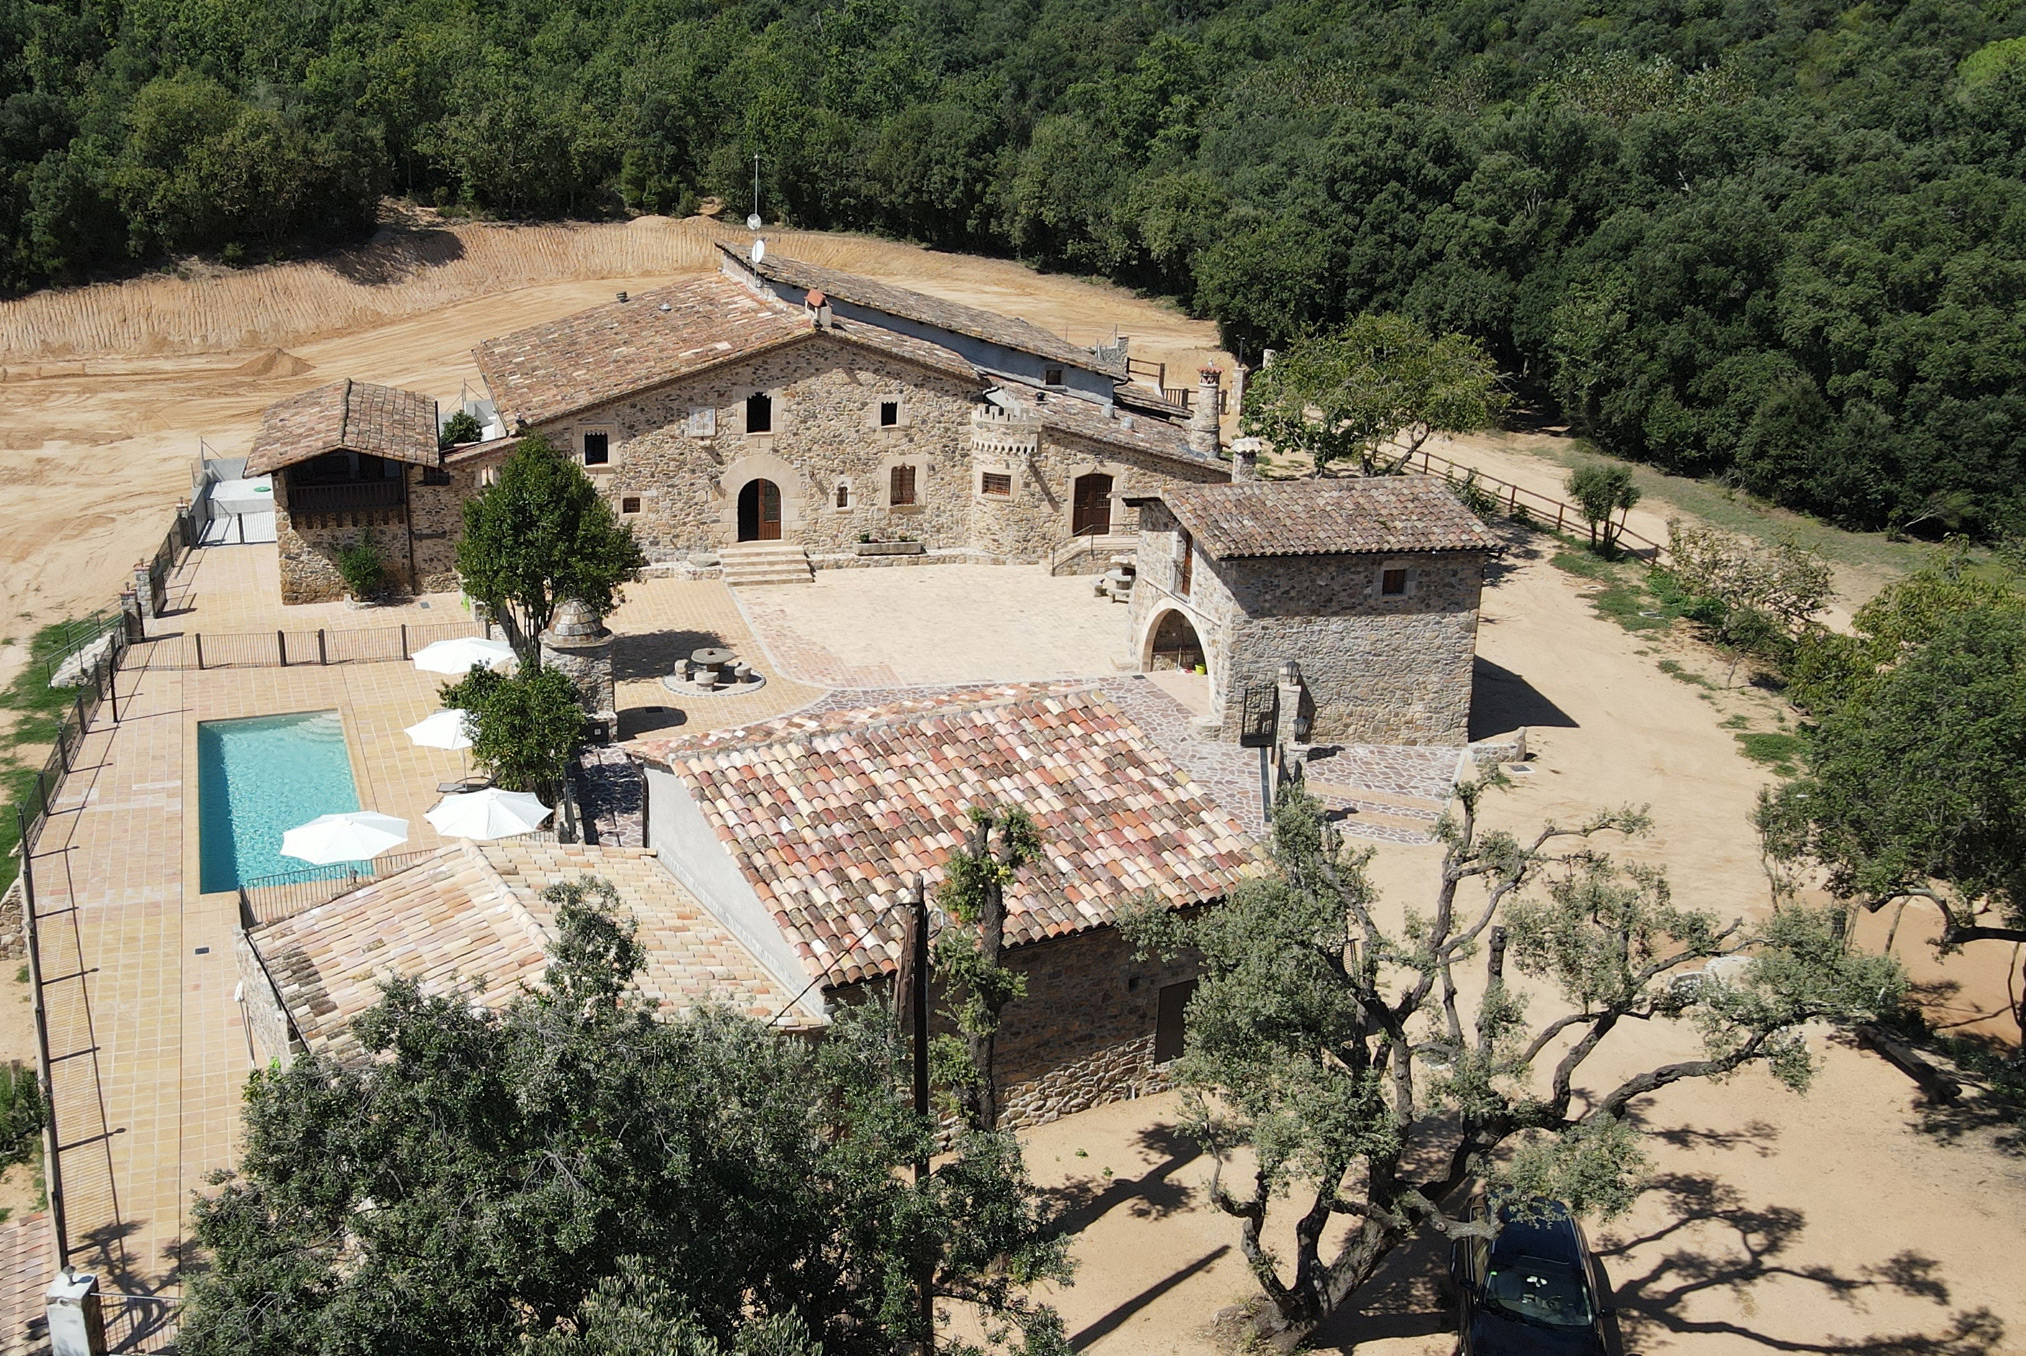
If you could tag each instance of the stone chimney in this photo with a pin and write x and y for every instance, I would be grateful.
(1203, 419)
(578, 645)
(1245, 458)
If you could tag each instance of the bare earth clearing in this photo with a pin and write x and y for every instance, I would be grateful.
(1828, 1223)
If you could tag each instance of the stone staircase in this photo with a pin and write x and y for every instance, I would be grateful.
(1369, 812)
(753, 563)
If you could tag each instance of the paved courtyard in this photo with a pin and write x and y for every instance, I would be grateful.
(930, 625)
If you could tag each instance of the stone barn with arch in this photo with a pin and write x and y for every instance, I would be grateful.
(1369, 587)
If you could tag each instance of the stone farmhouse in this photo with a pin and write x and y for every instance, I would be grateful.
(774, 408)
(779, 860)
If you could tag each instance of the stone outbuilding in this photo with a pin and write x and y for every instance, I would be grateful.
(346, 459)
(800, 836)
(1368, 587)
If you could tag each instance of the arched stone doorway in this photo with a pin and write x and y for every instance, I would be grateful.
(1090, 505)
(760, 511)
(1173, 644)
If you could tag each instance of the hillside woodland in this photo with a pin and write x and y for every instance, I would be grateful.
(1775, 240)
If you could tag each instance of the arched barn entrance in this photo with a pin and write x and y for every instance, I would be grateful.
(1175, 644)
(760, 511)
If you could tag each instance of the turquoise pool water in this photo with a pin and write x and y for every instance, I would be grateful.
(259, 778)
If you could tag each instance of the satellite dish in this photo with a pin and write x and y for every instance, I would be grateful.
(759, 249)
(753, 222)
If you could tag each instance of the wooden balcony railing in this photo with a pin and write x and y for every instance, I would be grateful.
(344, 498)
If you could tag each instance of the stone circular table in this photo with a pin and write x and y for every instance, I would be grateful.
(713, 659)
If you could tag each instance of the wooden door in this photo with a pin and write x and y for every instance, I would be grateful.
(1090, 513)
(760, 511)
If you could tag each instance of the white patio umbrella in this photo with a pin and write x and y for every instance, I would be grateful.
(457, 656)
(443, 730)
(491, 813)
(351, 837)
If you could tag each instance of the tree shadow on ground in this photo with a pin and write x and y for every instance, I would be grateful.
(1406, 1298)
(1501, 701)
(1717, 1245)
(654, 654)
(395, 254)
(1520, 549)
(1081, 1203)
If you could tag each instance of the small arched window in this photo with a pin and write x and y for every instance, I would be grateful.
(843, 495)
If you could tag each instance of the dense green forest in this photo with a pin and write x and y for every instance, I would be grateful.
(1779, 240)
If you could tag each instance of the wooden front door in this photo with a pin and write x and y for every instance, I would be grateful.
(1090, 513)
(760, 511)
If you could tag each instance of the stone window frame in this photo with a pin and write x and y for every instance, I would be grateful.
(1411, 585)
(581, 432)
(924, 469)
(629, 503)
(782, 412)
(842, 497)
(1012, 475)
(903, 412)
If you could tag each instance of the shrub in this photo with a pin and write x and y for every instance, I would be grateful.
(462, 427)
(363, 569)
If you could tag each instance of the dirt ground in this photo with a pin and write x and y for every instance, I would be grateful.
(109, 390)
(1829, 1222)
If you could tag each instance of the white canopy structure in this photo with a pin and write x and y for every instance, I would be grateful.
(355, 836)
(443, 730)
(491, 813)
(458, 655)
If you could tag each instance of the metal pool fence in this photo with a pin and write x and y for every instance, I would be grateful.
(288, 649)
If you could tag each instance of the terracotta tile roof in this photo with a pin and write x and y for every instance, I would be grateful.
(1008, 331)
(473, 913)
(1382, 515)
(1122, 428)
(620, 348)
(827, 815)
(351, 416)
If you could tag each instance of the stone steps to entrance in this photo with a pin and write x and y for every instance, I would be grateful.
(751, 564)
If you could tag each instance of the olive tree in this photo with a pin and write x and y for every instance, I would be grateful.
(1748, 595)
(1375, 1080)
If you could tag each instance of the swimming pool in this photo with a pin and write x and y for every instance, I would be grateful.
(259, 778)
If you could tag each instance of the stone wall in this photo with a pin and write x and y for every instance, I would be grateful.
(1084, 1034)
(436, 518)
(1379, 670)
(260, 1003)
(1045, 465)
(308, 546)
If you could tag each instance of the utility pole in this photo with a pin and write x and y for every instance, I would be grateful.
(756, 188)
(911, 1007)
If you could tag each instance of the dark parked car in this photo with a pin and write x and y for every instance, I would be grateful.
(1531, 1291)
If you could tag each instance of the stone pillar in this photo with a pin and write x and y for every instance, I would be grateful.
(144, 589)
(1203, 419)
(76, 1321)
(578, 644)
(1240, 375)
